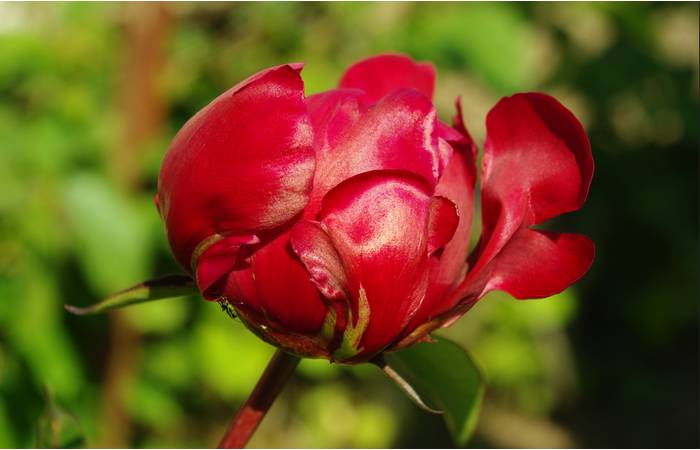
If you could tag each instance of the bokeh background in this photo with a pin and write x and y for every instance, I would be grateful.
(91, 94)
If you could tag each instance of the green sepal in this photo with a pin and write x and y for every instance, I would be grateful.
(325, 336)
(168, 286)
(350, 344)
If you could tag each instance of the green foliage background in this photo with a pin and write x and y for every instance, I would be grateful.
(611, 362)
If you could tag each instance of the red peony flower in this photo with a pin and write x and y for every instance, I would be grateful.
(337, 225)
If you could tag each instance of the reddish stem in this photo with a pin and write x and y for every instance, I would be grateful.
(278, 371)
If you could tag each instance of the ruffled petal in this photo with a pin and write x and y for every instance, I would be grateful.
(242, 164)
(398, 133)
(381, 75)
(537, 164)
(537, 264)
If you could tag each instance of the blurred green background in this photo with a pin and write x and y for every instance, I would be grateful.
(91, 94)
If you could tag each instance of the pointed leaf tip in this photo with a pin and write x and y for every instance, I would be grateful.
(168, 286)
(76, 310)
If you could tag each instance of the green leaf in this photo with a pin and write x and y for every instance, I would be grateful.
(443, 375)
(160, 288)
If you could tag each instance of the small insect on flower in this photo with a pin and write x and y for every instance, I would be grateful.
(227, 307)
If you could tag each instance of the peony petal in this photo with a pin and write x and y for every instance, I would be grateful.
(315, 249)
(447, 268)
(457, 185)
(367, 218)
(458, 180)
(217, 259)
(282, 288)
(459, 126)
(537, 164)
(442, 223)
(534, 264)
(537, 264)
(242, 164)
(399, 132)
(332, 114)
(381, 75)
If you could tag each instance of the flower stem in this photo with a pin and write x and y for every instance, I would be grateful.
(278, 371)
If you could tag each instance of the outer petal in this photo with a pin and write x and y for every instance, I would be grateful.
(277, 284)
(398, 133)
(537, 164)
(537, 264)
(385, 261)
(533, 264)
(219, 258)
(315, 249)
(383, 74)
(242, 164)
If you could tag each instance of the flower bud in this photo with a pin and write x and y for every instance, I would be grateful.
(337, 225)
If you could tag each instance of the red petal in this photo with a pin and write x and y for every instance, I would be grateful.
(277, 285)
(217, 261)
(242, 164)
(457, 185)
(448, 267)
(316, 251)
(460, 127)
(442, 223)
(537, 161)
(240, 289)
(537, 264)
(399, 132)
(377, 222)
(537, 164)
(534, 264)
(381, 75)
(332, 114)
